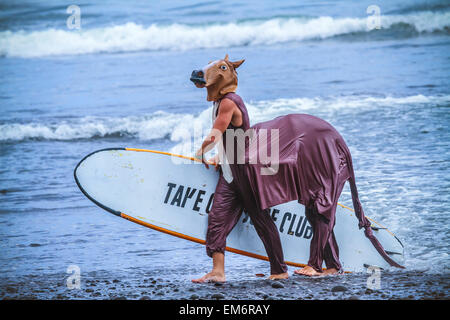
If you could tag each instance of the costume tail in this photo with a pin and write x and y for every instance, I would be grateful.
(363, 221)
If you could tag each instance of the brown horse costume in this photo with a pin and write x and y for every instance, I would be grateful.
(312, 165)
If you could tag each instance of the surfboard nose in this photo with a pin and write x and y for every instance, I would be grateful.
(78, 180)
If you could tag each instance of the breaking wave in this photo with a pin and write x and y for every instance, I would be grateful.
(174, 126)
(135, 37)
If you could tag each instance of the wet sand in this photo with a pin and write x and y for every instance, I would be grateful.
(142, 285)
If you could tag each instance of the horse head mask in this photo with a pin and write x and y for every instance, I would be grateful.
(219, 77)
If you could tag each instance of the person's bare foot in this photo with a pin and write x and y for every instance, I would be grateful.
(284, 275)
(308, 271)
(212, 276)
(330, 272)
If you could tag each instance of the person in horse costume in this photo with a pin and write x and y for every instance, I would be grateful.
(310, 162)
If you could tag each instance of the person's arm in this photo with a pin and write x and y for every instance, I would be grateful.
(226, 110)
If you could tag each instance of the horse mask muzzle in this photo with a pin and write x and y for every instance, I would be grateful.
(198, 77)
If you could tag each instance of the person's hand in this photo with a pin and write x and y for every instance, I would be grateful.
(199, 156)
(205, 163)
(215, 162)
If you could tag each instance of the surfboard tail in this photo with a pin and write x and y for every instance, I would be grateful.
(364, 222)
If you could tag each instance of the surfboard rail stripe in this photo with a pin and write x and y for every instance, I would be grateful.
(200, 241)
(162, 152)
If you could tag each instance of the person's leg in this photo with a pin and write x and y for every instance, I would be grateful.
(314, 266)
(331, 250)
(331, 253)
(331, 256)
(268, 232)
(223, 216)
(324, 245)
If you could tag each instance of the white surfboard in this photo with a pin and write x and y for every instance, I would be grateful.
(156, 190)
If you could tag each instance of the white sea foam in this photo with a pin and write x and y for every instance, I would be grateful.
(265, 110)
(134, 37)
(155, 126)
(178, 127)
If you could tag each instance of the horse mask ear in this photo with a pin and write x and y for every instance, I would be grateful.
(235, 64)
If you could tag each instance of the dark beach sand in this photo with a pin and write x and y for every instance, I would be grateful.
(142, 285)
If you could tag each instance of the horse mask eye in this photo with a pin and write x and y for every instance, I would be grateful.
(223, 67)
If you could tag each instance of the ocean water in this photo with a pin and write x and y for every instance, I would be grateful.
(122, 80)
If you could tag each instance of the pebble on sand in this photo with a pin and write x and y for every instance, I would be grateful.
(217, 296)
(277, 285)
(339, 289)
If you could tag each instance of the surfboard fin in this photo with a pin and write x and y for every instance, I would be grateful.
(393, 253)
(368, 266)
(377, 228)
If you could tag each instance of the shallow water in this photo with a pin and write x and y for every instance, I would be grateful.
(386, 91)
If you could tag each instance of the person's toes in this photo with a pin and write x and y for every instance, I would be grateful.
(304, 271)
(200, 280)
(279, 276)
